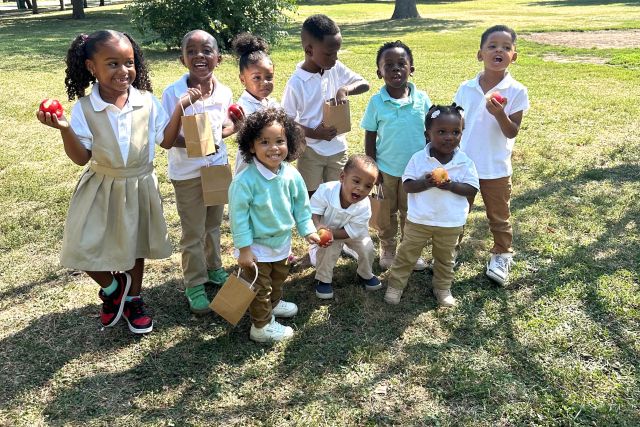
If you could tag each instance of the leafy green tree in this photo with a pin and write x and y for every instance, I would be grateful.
(171, 19)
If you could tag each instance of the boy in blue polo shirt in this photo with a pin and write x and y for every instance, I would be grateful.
(394, 131)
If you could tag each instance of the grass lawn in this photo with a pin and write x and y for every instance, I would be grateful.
(559, 345)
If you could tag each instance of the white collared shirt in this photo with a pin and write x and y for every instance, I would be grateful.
(181, 166)
(304, 96)
(354, 219)
(262, 252)
(436, 207)
(482, 139)
(121, 120)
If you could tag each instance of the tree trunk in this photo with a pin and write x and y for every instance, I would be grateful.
(61, 4)
(101, 2)
(85, 4)
(78, 9)
(35, 6)
(405, 9)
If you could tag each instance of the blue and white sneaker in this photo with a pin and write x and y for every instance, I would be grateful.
(372, 284)
(324, 290)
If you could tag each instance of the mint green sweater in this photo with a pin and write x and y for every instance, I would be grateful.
(264, 211)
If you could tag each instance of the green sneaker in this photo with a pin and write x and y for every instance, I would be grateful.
(198, 301)
(218, 277)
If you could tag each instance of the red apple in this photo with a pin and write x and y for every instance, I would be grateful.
(498, 97)
(325, 236)
(440, 175)
(236, 112)
(52, 106)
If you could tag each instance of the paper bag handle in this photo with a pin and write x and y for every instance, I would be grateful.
(379, 192)
(184, 113)
(254, 279)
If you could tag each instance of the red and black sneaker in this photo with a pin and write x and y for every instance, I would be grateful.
(113, 305)
(136, 316)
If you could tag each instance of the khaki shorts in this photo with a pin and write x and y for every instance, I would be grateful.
(316, 169)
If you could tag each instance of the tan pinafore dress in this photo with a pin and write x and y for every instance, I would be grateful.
(115, 215)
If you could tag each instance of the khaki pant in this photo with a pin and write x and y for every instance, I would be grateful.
(271, 277)
(327, 258)
(316, 169)
(394, 192)
(443, 248)
(200, 240)
(496, 195)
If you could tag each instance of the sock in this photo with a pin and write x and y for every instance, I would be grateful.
(130, 298)
(111, 288)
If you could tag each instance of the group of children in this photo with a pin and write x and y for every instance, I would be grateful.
(115, 219)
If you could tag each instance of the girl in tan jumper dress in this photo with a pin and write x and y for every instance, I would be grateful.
(115, 217)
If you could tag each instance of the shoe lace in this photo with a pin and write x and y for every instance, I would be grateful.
(503, 263)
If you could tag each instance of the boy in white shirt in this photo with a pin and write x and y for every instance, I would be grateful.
(318, 78)
(492, 123)
(343, 208)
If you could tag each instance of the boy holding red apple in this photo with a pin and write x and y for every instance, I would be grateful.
(341, 211)
(494, 103)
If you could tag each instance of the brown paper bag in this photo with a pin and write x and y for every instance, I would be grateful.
(216, 180)
(380, 210)
(235, 296)
(198, 136)
(337, 115)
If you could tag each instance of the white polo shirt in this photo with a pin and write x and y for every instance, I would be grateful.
(250, 105)
(181, 166)
(121, 120)
(355, 219)
(304, 96)
(436, 207)
(482, 139)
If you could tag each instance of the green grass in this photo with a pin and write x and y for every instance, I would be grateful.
(558, 346)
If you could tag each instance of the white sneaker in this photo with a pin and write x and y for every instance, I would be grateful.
(392, 295)
(273, 331)
(313, 254)
(285, 309)
(421, 265)
(386, 259)
(498, 267)
(347, 251)
(444, 297)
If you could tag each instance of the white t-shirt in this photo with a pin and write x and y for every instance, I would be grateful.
(262, 252)
(121, 120)
(355, 219)
(482, 139)
(181, 166)
(436, 207)
(304, 96)
(250, 105)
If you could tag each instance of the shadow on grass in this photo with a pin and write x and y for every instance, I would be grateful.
(557, 3)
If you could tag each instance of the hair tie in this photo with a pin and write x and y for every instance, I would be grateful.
(435, 114)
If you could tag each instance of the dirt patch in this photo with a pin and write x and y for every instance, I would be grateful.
(589, 39)
(552, 57)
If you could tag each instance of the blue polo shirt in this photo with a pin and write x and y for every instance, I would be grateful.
(400, 127)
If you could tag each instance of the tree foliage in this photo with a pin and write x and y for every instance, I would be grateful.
(171, 19)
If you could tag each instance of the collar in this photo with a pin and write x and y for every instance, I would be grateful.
(304, 74)
(384, 94)
(506, 81)
(453, 161)
(250, 99)
(264, 171)
(99, 104)
(180, 89)
(334, 199)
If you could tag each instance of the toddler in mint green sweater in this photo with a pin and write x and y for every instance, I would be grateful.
(265, 201)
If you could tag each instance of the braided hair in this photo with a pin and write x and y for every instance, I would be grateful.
(436, 110)
(84, 47)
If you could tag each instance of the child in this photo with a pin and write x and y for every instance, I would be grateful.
(115, 218)
(318, 78)
(394, 131)
(265, 201)
(343, 208)
(256, 75)
(200, 240)
(437, 210)
(490, 136)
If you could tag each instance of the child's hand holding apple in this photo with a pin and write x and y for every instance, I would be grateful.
(51, 113)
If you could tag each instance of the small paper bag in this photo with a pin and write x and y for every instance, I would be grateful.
(337, 115)
(235, 296)
(198, 135)
(216, 180)
(380, 210)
